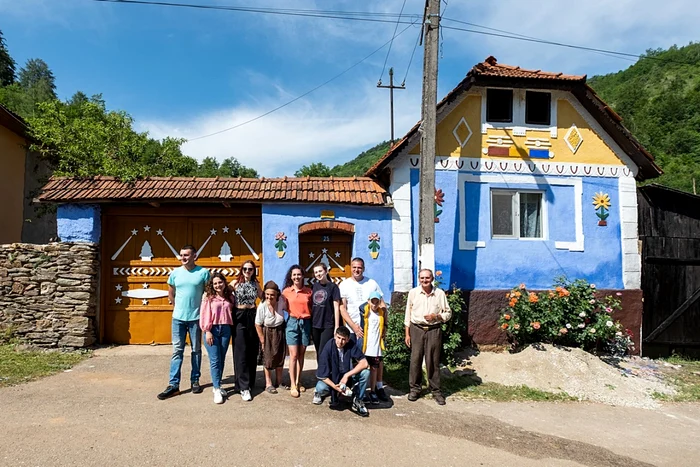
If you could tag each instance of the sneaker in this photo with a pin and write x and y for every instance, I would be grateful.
(245, 395)
(196, 388)
(218, 398)
(169, 392)
(318, 400)
(224, 394)
(381, 394)
(374, 400)
(335, 405)
(413, 396)
(359, 407)
(367, 399)
(439, 398)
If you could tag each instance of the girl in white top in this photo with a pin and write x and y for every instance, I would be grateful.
(270, 325)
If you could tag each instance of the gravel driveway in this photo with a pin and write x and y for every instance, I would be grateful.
(105, 412)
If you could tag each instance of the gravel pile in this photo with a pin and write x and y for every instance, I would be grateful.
(578, 373)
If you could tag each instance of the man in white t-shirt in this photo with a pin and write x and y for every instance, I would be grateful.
(354, 292)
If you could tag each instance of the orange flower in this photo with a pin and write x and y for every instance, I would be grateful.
(535, 324)
(513, 301)
(517, 294)
(506, 316)
(504, 326)
(551, 294)
(563, 292)
(563, 331)
(533, 297)
(522, 286)
(516, 326)
(507, 294)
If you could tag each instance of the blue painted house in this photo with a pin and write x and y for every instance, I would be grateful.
(535, 179)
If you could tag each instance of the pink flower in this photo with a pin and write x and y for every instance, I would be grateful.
(522, 286)
(374, 236)
(593, 286)
(280, 236)
(608, 309)
(619, 294)
(591, 301)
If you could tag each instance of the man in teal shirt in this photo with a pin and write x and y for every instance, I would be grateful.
(185, 289)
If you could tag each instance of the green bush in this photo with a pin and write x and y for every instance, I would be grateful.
(570, 314)
(397, 354)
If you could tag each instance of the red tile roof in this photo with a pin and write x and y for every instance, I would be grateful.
(491, 68)
(492, 73)
(355, 190)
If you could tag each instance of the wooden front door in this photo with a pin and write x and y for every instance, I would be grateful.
(140, 251)
(330, 247)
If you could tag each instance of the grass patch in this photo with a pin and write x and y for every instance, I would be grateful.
(685, 379)
(465, 387)
(21, 366)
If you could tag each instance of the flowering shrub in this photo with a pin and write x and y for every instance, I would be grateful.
(569, 315)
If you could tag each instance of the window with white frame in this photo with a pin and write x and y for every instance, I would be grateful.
(518, 107)
(517, 214)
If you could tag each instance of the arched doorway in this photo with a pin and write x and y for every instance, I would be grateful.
(329, 242)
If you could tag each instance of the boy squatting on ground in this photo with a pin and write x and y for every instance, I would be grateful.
(337, 375)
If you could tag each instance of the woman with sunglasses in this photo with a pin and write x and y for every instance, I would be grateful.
(298, 326)
(215, 321)
(325, 308)
(245, 337)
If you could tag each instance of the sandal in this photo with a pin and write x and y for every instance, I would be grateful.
(271, 390)
(302, 389)
(295, 391)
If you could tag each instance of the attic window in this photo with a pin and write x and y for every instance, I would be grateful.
(499, 105)
(538, 108)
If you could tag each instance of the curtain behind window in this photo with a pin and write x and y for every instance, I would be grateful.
(531, 215)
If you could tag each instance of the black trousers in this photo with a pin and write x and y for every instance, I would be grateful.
(246, 345)
(320, 336)
(428, 344)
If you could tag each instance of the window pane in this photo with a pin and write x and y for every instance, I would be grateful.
(537, 107)
(502, 213)
(531, 215)
(499, 105)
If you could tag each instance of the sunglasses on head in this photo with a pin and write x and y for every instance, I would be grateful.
(248, 269)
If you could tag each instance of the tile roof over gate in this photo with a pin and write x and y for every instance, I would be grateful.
(355, 190)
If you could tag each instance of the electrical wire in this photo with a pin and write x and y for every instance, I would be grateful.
(302, 95)
(392, 41)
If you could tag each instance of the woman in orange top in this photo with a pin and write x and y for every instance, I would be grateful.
(299, 325)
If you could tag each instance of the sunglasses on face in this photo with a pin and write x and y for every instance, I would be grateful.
(247, 269)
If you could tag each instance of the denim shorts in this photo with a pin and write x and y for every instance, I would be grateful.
(298, 331)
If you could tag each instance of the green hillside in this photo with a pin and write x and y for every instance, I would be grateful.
(359, 165)
(658, 99)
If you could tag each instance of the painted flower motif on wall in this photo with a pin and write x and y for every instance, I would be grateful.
(374, 245)
(601, 203)
(280, 245)
(439, 199)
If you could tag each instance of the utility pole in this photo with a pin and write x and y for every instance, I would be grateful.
(426, 212)
(391, 88)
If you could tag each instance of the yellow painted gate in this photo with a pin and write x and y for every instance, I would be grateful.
(140, 248)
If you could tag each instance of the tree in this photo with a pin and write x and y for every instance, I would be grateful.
(7, 64)
(317, 169)
(38, 83)
(230, 167)
(81, 138)
(209, 167)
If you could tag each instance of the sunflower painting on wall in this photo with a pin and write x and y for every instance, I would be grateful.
(601, 203)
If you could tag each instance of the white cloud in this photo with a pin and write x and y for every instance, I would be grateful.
(331, 129)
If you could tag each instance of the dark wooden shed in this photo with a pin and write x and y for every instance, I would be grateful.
(669, 231)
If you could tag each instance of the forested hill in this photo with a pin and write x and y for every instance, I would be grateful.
(658, 99)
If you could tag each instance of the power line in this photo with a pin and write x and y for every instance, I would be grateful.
(305, 94)
(392, 41)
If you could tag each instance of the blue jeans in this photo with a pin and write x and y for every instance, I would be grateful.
(217, 351)
(358, 383)
(180, 331)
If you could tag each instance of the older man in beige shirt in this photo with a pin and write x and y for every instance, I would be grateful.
(426, 310)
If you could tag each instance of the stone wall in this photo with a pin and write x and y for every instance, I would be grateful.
(49, 293)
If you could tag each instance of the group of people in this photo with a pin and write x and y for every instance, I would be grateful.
(347, 325)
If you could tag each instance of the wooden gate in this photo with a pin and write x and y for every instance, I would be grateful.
(329, 247)
(139, 250)
(669, 223)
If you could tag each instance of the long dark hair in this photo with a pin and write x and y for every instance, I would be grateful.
(241, 278)
(288, 278)
(209, 288)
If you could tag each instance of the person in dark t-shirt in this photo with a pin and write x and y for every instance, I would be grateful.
(325, 308)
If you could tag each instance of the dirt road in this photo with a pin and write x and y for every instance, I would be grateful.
(104, 412)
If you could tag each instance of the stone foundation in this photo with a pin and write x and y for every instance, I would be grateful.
(48, 293)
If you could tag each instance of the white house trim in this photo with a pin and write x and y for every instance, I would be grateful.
(401, 228)
(631, 259)
(577, 183)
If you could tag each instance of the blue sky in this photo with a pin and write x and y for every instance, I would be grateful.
(187, 73)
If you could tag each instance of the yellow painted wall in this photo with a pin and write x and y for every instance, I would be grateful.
(12, 154)
(593, 149)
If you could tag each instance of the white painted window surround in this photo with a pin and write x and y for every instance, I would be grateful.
(518, 124)
(577, 183)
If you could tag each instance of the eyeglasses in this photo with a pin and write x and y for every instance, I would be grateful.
(248, 269)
